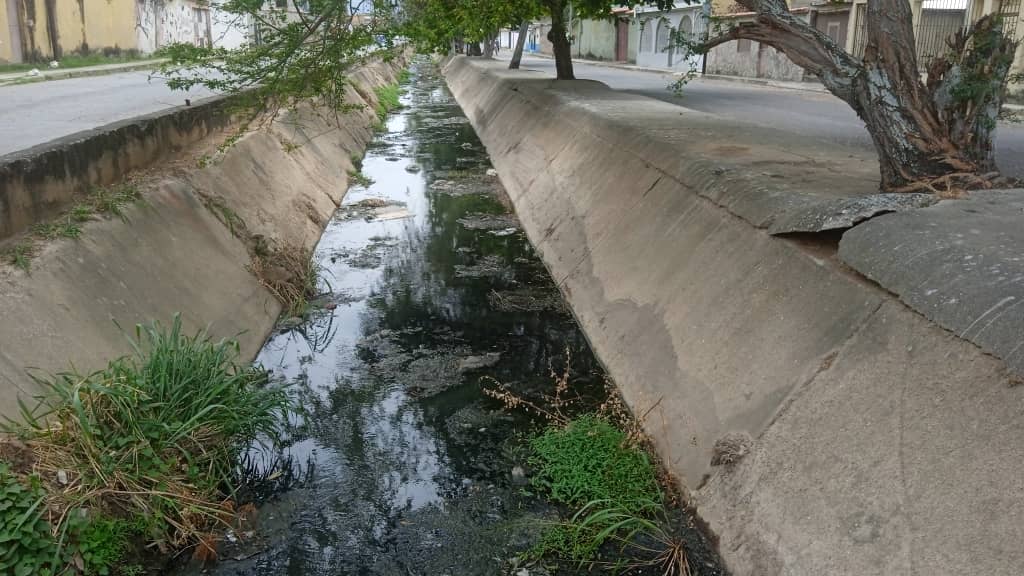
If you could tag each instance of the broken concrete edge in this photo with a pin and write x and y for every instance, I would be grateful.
(845, 213)
(174, 254)
(882, 443)
(959, 263)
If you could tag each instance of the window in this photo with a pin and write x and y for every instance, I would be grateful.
(742, 46)
(647, 36)
(833, 31)
(664, 32)
(686, 27)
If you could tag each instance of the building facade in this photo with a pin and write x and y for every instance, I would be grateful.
(659, 33)
(934, 22)
(42, 30)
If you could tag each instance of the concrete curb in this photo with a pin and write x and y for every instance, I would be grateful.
(45, 75)
(800, 86)
(619, 65)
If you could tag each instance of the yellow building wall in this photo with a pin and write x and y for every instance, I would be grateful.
(92, 25)
(110, 24)
(6, 50)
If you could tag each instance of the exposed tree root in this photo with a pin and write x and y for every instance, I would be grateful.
(958, 184)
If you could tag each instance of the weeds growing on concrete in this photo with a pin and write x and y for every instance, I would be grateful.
(357, 178)
(145, 448)
(387, 100)
(292, 276)
(20, 255)
(110, 201)
(66, 227)
(597, 469)
(113, 200)
(598, 464)
(589, 460)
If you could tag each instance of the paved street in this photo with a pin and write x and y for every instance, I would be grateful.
(812, 114)
(35, 113)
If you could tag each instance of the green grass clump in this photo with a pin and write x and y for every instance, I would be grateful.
(154, 437)
(113, 200)
(102, 543)
(387, 99)
(590, 466)
(65, 228)
(359, 179)
(590, 459)
(20, 255)
(26, 546)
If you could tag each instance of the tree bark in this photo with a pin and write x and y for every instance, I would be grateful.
(489, 46)
(922, 133)
(560, 41)
(517, 56)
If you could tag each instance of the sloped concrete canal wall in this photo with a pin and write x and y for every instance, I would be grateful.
(172, 253)
(886, 423)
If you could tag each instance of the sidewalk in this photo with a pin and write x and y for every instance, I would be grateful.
(810, 86)
(803, 86)
(45, 73)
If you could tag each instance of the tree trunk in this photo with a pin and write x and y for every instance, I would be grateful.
(489, 46)
(559, 41)
(473, 49)
(923, 133)
(517, 56)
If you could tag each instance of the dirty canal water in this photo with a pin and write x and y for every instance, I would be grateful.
(405, 466)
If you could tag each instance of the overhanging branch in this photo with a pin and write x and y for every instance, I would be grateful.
(806, 46)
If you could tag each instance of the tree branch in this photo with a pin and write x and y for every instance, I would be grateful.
(806, 46)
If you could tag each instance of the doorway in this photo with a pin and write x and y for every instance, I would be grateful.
(621, 40)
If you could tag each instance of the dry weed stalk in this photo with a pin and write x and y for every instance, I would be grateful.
(557, 403)
(291, 274)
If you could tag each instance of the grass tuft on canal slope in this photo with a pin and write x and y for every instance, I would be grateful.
(599, 466)
(147, 446)
(589, 459)
(387, 99)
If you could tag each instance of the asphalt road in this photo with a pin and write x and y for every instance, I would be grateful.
(32, 114)
(816, 115)
(36, 113)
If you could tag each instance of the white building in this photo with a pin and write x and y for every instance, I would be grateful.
(199, 22)
(655, 44)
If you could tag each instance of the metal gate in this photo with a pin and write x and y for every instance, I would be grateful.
(939, 20)
(1009, 11)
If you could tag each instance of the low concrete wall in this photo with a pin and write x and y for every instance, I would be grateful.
(36, 184)
(879, 443)
(173, 254)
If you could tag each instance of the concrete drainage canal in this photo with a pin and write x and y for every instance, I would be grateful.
(429, 371)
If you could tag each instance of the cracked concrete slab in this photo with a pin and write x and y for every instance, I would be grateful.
(960, 263)
(842, 213)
